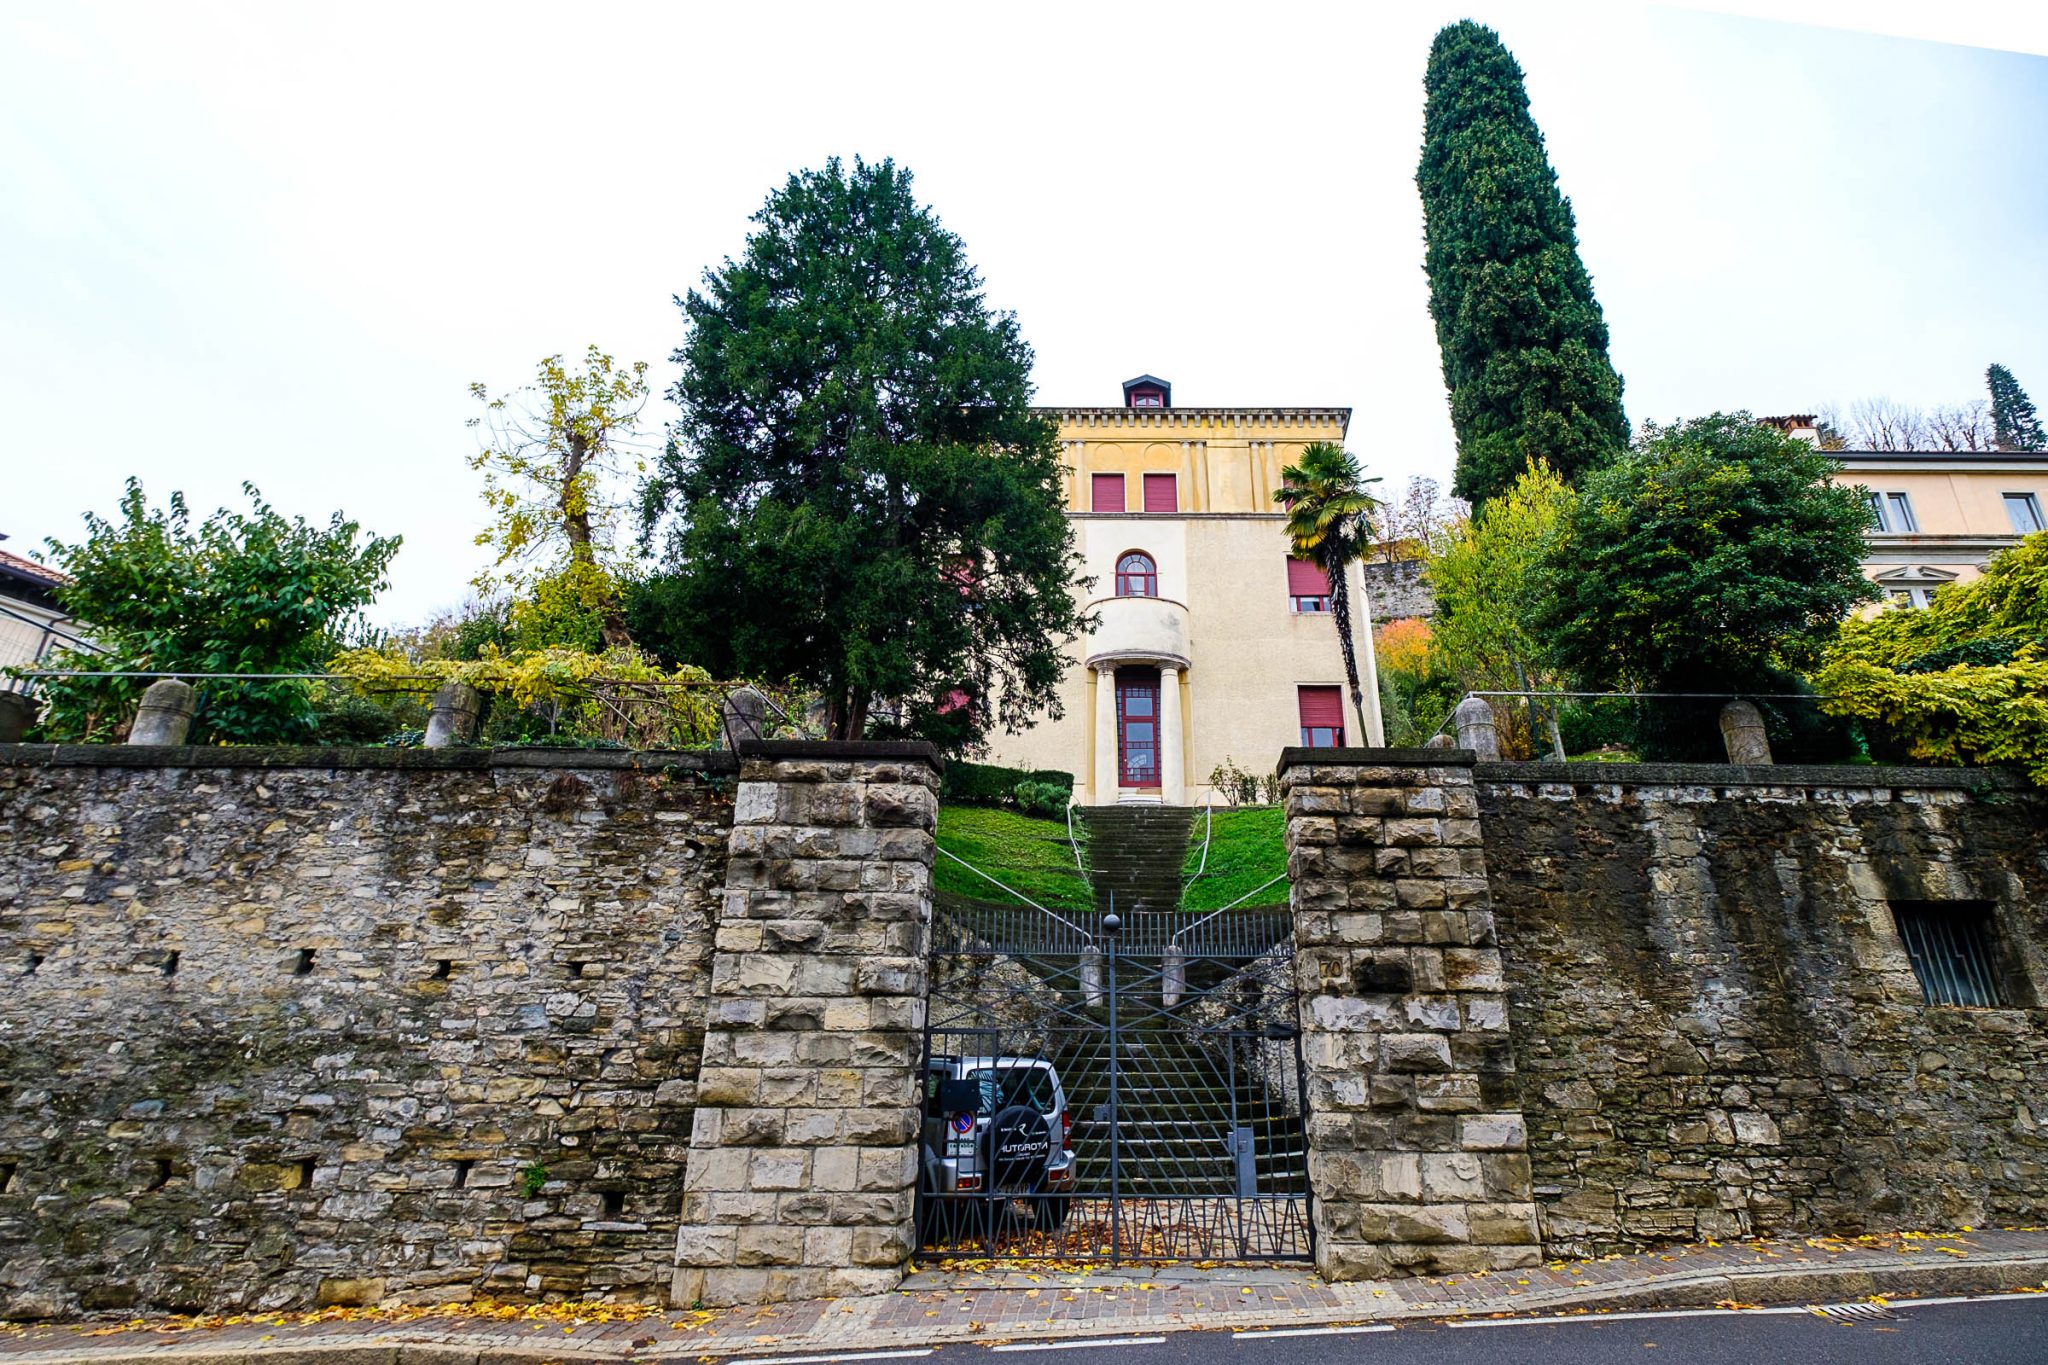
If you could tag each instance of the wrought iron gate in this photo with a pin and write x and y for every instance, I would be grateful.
(1123, 1089)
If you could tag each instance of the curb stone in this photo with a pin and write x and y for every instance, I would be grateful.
(455, 1342)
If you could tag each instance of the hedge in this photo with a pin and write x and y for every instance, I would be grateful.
(986, 784)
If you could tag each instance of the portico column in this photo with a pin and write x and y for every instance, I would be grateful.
(1105, 735)
(1172, 774)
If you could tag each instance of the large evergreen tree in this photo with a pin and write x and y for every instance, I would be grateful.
(1717, 555)
(1524, 346)
(2014, 425)
(861, 498)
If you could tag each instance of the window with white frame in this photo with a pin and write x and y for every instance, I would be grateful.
(1894, 512)
(2024, 511)
(1914, 585)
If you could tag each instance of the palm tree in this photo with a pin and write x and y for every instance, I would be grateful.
(1330, 521)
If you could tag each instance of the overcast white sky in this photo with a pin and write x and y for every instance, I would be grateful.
(275, 242)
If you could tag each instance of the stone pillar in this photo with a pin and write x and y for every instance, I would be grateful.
(804, 1152)
(17, 713)
(165, 715)
(1742, 730)
(1417, 1147)
(452, 718)
(1476, 729)
(1106, 784)
(1172, 757)
(742, 717)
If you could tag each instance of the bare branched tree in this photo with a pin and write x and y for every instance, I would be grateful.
(1884, 424)
(1964, 426)
(1410, 527)
(1832, 431)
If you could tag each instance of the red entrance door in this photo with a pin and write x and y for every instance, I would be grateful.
(1137, 726)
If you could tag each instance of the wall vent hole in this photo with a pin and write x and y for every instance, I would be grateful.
(30, 963)
(444, 967)
(463, 1166)
(614, 1203)
(304, 965)
(576, 968)
(171, 963)
(306, 1173)
(161, 1176)
(7, 1170)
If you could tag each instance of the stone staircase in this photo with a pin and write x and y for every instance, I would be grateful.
(1135, 855)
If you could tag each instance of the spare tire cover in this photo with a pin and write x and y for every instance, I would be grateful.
(1019, 1143)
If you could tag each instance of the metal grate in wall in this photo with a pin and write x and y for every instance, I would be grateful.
(1953, 948)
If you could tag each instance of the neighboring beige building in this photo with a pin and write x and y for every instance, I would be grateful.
(1208, 645)
(1941, 514)
(31, 623)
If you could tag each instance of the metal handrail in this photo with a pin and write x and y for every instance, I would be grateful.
(1050, 914)
(1196, 924)
(1075, 844)
(1208, 833)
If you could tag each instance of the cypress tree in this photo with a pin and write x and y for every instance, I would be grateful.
(1524, 345)
(2014, 425)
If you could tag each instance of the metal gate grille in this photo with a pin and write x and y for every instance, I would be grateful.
(1171, 1040)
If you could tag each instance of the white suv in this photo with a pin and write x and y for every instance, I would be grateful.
(996, 1129)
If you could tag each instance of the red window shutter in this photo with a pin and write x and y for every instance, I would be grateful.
(1306, 580)
(1106, 493)
(1322, 706)
(1161, 493)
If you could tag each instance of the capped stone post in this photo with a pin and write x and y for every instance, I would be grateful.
(165, 716)
(1477, 730)
(17, 713)
(452, 719)
(1742, 730)
(742, 716)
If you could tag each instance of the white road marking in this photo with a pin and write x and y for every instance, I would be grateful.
(1620, 1317)
(1313, 1332)
(1075, 1345)
(1967, 1298)
(822, 1360)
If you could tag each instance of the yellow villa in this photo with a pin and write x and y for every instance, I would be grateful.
(1210, 644)
(1941, 514)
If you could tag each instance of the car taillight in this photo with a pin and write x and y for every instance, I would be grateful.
(1067, 1129)
(968, 1182)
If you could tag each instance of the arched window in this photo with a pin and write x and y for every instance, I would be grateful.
(1136, 576)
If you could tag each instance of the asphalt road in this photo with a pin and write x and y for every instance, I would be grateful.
(2009, 1330)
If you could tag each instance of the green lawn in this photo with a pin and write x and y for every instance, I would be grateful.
(1244, 850)
(1029, 854)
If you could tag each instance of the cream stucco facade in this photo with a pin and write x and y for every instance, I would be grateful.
(1218, 625)
(1944, 513)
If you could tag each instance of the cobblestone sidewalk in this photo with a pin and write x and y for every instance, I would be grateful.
(989, 1303)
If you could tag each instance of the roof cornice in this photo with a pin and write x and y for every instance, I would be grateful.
(1249, 418)
(1966, 459)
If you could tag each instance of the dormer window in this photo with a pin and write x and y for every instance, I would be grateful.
(1148, 391)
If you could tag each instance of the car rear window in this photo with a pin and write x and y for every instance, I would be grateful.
(1002, 1087)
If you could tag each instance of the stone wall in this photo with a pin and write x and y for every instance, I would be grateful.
(804, 1168)
(1717, 1028)
(1685, 987)
(285, 1027)
(1416, 1160)
(1397, 590)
